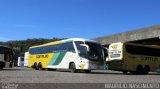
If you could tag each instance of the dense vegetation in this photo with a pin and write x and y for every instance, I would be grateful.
(22, 46)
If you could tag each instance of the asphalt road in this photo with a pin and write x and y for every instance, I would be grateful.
(24, 75)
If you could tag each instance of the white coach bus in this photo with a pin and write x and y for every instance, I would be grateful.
(74, 54)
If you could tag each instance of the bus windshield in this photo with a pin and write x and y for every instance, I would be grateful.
(93, 54)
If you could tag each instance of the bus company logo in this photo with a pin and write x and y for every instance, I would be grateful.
(114, 46)
(42, 56)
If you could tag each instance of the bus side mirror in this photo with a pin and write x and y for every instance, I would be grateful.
(87, 47)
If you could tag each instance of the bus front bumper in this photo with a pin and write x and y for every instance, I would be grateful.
(91, 66)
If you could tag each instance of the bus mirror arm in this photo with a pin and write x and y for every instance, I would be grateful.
(84, 45)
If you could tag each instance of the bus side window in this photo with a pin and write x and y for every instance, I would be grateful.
(70, 47)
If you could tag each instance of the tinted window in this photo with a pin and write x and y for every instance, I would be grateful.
(69, 47)
(53, 48)
(22, 59)
(95, 52)
(139, 50)
(5, 50)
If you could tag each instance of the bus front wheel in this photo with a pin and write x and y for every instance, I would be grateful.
(73, 68)
(87, 71)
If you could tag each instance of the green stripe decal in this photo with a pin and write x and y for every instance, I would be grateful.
(60, 57)
(55, 56)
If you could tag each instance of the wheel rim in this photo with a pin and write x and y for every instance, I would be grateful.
(72, 67)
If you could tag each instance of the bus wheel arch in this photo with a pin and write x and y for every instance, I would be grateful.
(72, 67)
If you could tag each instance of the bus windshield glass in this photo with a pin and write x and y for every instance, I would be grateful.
(94, 52)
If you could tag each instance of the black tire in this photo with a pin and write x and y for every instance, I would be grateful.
(73, 68)
(133, 72)
(40, 67)
(139, 69)
(87, 71)
(35, 66)
(2, 65)
(125, 72)
(146, 69)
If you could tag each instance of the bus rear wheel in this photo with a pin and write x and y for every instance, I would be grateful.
(73, 68)
(35, 66)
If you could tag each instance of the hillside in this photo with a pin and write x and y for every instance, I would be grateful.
(22, 46)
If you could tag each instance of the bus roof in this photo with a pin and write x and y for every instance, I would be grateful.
(63, 41)
(151, 46)
(5, 46)
(80, 39)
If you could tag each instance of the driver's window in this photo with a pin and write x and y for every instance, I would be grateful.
(81, 49)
